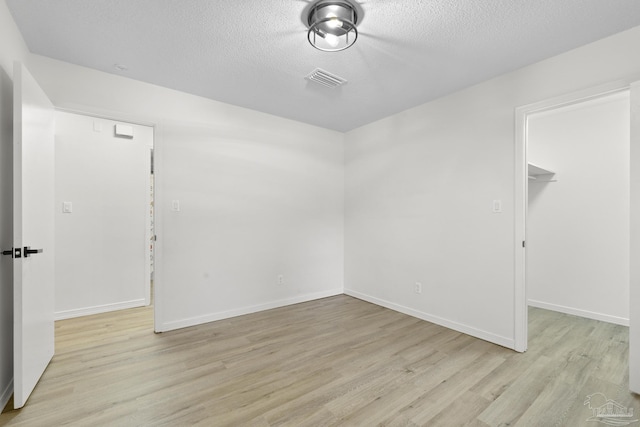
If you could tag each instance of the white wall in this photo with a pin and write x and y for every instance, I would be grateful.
(12, 48)
(420, 186)
(259, 196)
(578, 227)
(250, 210)
(102, 246)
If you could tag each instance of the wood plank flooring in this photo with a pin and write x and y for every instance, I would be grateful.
(333, 362)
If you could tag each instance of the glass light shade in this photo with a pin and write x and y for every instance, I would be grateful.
(332, 25)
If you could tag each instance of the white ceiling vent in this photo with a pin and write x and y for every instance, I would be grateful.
(325, 78)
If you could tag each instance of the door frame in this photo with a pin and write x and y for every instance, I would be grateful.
(157, 198)
(634, 274)
(522, 114)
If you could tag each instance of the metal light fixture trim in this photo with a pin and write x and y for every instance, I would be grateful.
(332, 25)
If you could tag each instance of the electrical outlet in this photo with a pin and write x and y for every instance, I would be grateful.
(417, 288)
(280, 279)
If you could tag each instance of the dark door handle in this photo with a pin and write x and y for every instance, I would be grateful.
(14, 253)
(28, 251)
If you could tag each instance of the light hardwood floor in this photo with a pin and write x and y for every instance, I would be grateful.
(335, 361)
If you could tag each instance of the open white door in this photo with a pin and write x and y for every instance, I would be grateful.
(33, 238)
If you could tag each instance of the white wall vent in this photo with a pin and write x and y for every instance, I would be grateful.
(325, 78)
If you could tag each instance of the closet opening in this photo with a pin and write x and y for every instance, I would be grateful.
(104, 220)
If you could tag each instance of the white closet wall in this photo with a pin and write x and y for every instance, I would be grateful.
(578, 226)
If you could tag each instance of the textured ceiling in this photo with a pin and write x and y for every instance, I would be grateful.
(255, 53)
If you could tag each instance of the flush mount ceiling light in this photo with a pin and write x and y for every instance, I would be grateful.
(332, 25)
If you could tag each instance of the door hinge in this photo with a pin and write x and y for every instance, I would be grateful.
(523, 244)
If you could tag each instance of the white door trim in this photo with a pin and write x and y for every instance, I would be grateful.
(115, 118)
(634, 282)
(520, 197)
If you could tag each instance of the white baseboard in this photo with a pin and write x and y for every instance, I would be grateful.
(6, 395)
(465, 329)
(578, 312)
(88, 311)
(193, 321)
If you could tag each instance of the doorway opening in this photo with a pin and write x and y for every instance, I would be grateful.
(558, 156)
(578, 208)
(104, 216)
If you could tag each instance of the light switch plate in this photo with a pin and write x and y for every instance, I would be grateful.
(67, 207)
(497, 206)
